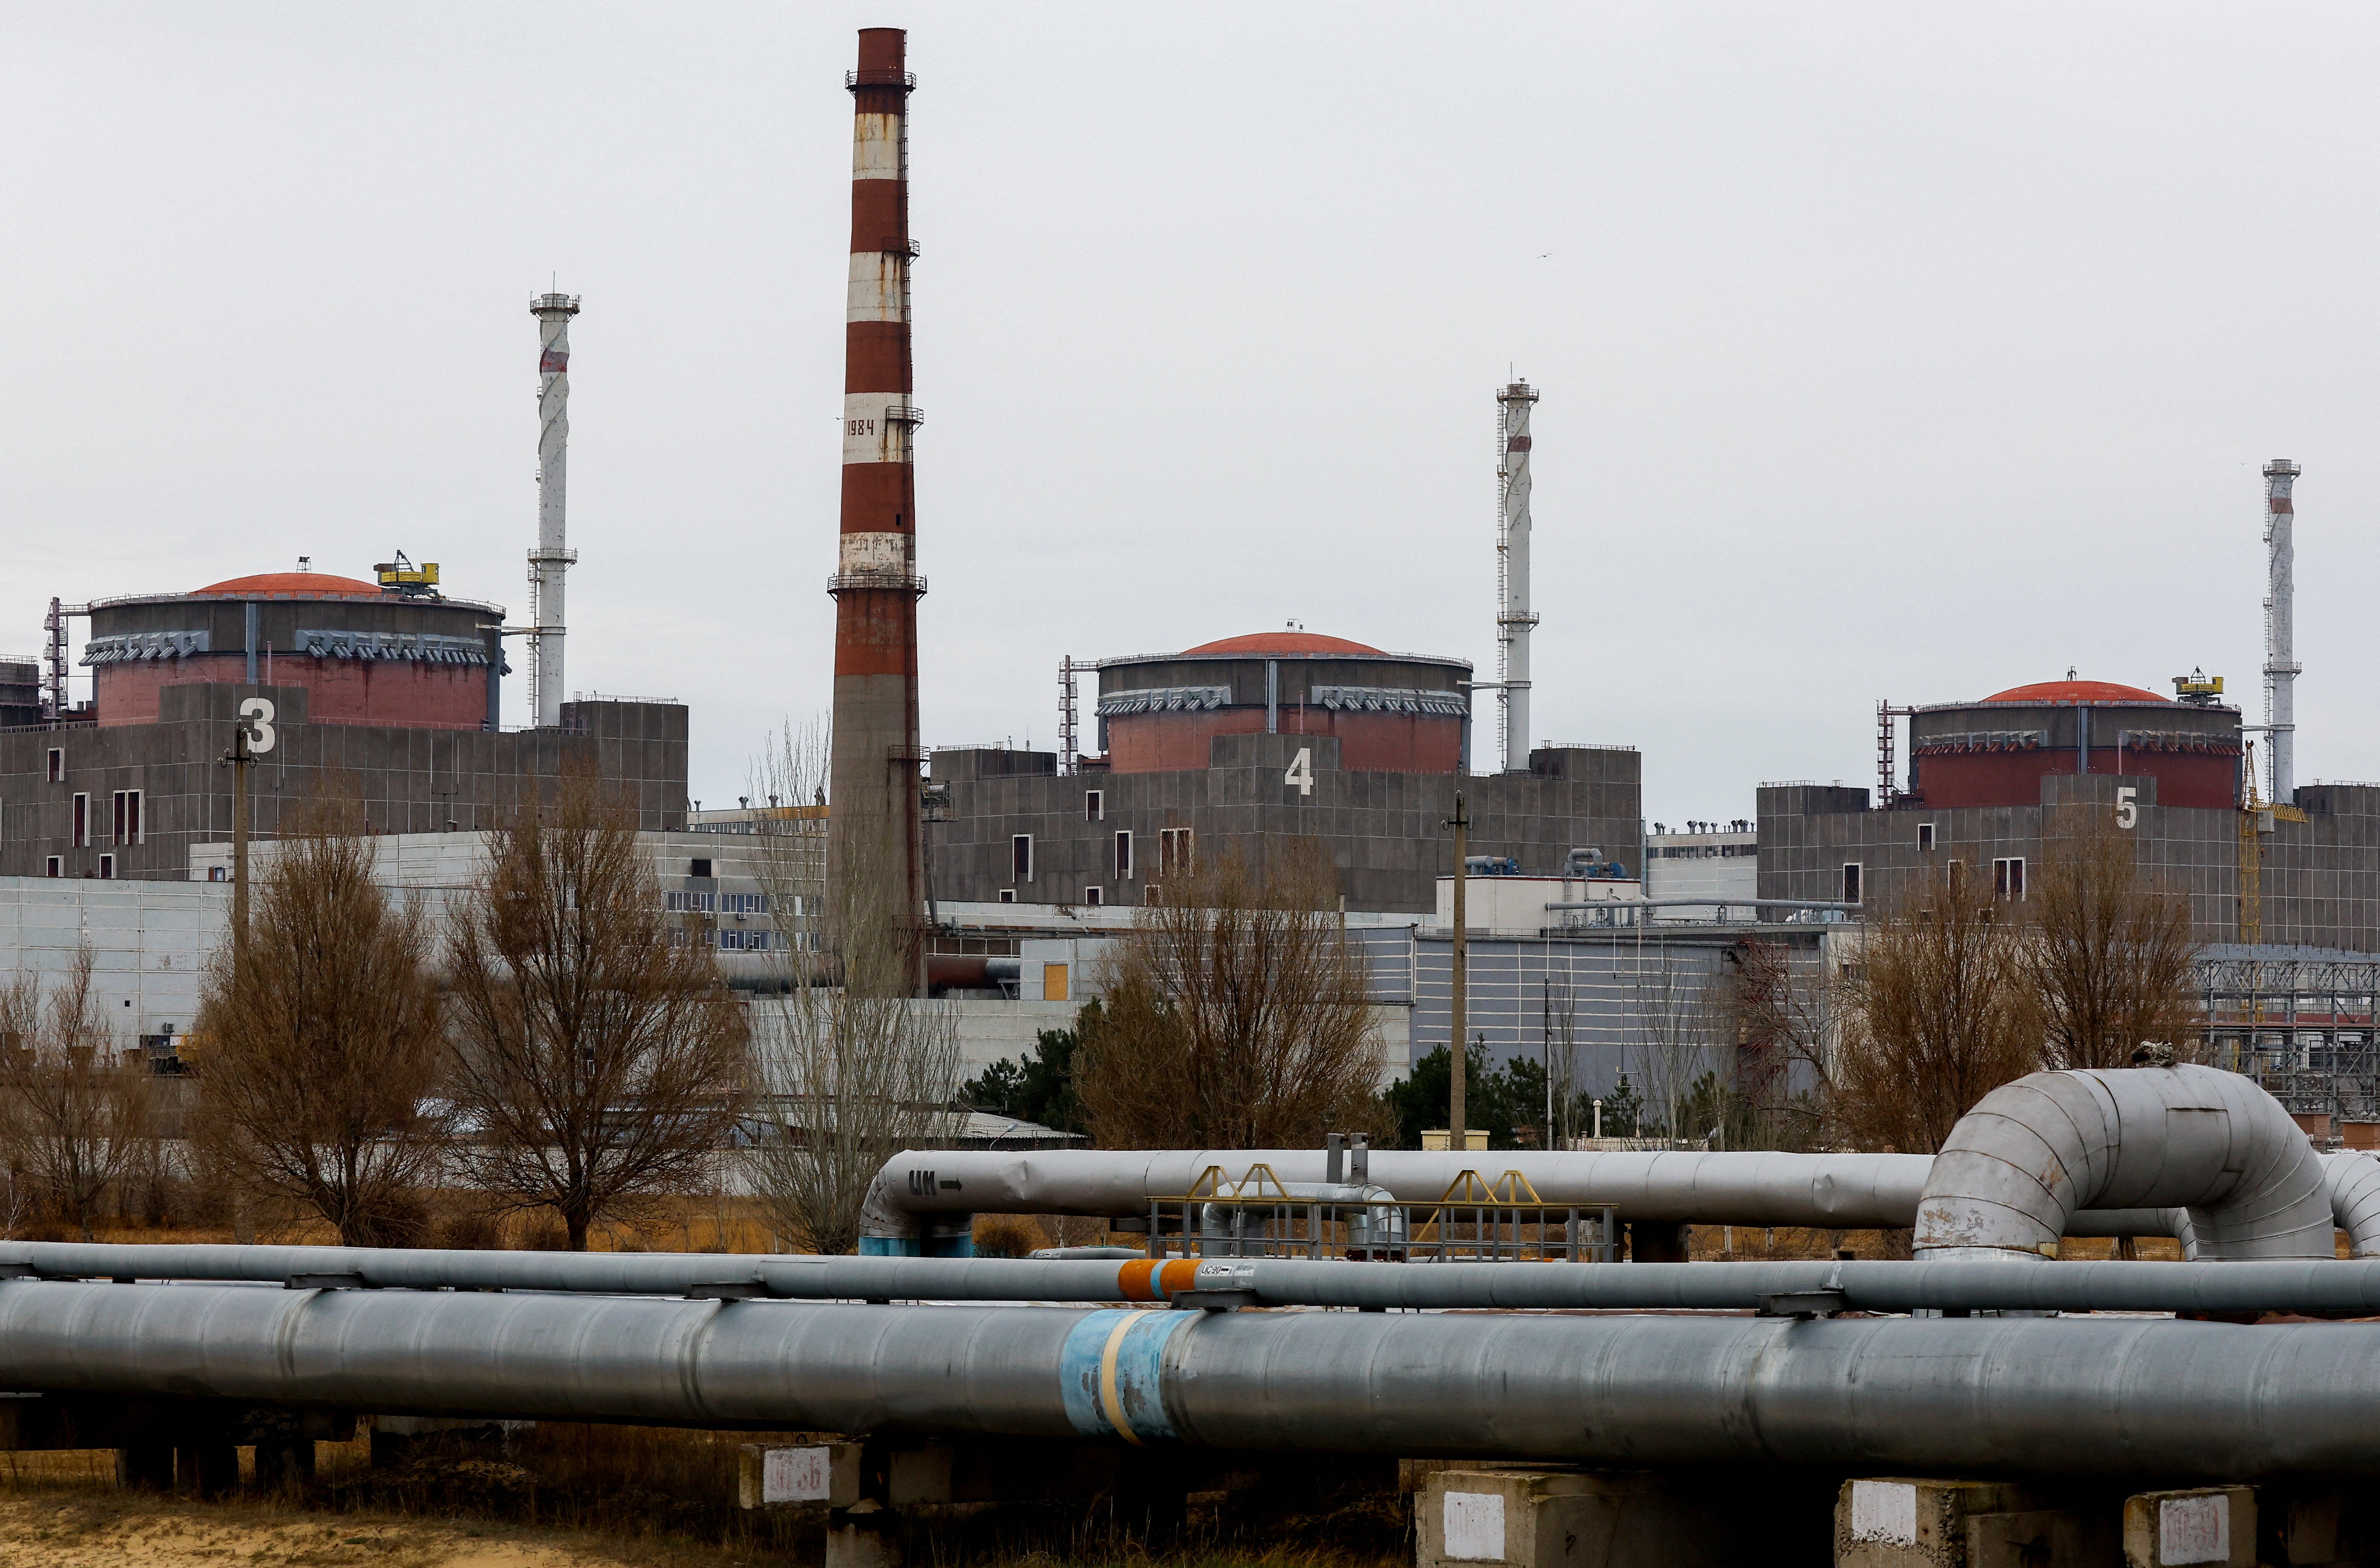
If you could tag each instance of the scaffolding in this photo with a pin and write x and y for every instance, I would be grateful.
(1067, 748)
(2300, 1027)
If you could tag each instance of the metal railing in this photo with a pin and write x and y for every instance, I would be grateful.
(1474, 1221)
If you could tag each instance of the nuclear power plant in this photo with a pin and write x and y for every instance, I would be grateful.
(2086, 1317)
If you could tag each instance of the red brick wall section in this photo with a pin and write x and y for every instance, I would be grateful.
(2013, 778)
(340, 691)
(1368, 743)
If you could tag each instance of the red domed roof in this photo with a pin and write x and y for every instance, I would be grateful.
(1282, 642)
(2076, 691)
(265, 583)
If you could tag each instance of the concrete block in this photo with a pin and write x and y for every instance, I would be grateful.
(2208, 1526)
(1557, 1519)
(1906, 1522)
(864, 1537)
(767, 1475)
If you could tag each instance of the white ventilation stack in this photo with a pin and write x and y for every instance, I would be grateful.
(2280, 633)
(551, 557)
(1513, 618)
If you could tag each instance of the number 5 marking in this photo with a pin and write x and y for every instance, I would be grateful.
(2126, 812)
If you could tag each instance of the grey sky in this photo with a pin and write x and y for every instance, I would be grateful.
(1886, 350)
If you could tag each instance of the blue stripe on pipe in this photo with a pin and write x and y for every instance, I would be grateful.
(1111, 1374)
(887, 1247)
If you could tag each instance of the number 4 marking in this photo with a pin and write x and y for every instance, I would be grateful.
(1301, 771)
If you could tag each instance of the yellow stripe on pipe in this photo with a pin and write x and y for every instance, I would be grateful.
(1108, 1401)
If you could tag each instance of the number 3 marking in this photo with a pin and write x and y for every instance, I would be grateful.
(258, 713)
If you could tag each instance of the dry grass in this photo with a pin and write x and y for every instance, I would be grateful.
(1755, 1244)
(568, 1494)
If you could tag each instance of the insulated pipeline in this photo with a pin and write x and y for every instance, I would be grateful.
(916, 1191)
(1951, 1396)
(1978, 1285)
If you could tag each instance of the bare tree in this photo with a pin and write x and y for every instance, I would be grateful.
(319, 1084)
(2108, 950)
(1775, 1011)
(1235, 1015)
(1677, 1022)
(77, 1117)
(597, 1053)
(849, 1073)
(1939, 1012)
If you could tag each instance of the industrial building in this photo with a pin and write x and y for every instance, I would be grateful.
(1012, 827)
(1994, 786)
(385, 687)
(381, 692)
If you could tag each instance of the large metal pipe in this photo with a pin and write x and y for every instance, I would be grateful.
(2033, 1151)
(1943, 1396)
(920, 1201)
(1828, 1191)
(1976, 1284)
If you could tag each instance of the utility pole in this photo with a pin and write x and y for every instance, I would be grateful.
(251, 737)
(1459, 1032)
(240, 761)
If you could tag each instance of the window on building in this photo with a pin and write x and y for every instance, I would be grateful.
(701, 869)
(82, 822)
(1008, 895)
(1095, 805)
(1094, 895)
(2008, 877)
(57, 765)
(214, 873)
(1924, 835)
(1020, 857)
(55, 866)
(1958, 878)
(107, 868)
(128, 816)
(1175, 846)
(1850, 881)
(1123, 857)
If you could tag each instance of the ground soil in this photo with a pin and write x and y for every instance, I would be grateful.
(114, 1531)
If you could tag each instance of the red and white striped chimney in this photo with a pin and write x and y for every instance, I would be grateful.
(875, 846)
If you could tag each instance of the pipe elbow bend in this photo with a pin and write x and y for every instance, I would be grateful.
(2030, 1153)
(2353, 1182)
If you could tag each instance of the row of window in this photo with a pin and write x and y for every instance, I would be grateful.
(55, 866)
(124, 824)
(690, 903)
(734, 939)
(2007, 876)
(1175, 847)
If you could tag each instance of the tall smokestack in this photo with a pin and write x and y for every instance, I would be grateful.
(875, 849)
(551, 557)
(2280, 630)
(1513, 617)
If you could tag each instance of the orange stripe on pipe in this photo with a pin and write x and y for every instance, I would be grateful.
(1180, 1274)
(1133, 1281)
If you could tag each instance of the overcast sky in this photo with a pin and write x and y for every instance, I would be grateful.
(1887, 351)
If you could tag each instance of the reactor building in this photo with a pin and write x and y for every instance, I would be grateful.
(1234, 747)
